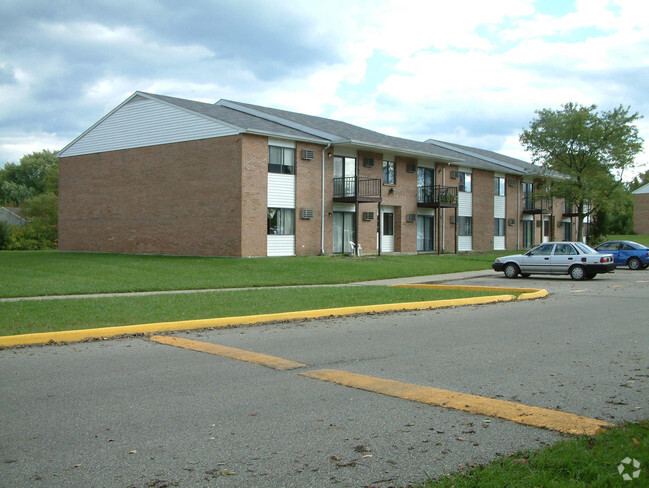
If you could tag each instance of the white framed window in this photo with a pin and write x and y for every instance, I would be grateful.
(499, 227)
(465, 182)
(281, 160)
(389, 173)
(499, 186)
(465, 226)
(281, 221)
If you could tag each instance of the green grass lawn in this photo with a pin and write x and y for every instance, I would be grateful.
(577, 463)
(37, 273)
(24, 317)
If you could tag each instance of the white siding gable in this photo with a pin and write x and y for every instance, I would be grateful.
(144, 122)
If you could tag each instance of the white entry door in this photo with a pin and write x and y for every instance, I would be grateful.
(387, 229)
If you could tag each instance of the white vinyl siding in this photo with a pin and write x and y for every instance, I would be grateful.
(281, 190)
(499, 213)
(281, 245)
(143, 122)
(465, 204)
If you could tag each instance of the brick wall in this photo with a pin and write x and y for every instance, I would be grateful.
(513, 208)
(254, 195)
(483, 210)
(641, 213)
(182, 198)
(308, 195)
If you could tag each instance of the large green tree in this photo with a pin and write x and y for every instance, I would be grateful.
(36, 173)
(584, 153)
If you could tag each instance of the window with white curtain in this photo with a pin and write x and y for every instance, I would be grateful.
(281, 221)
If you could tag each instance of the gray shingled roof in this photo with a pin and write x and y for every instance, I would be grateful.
(490, 160)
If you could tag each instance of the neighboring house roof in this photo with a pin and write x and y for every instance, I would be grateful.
(11, 216)
(642, 190)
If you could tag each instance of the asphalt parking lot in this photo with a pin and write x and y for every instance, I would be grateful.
(138, 413)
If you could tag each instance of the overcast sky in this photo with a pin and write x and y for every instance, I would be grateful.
(471, 72)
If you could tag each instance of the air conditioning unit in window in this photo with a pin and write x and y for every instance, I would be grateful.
(454, 174)
(412, 167)
(368, 162)
(307, 154)
(411, 217)
(307, 213)
(368, 215)
(511, 221)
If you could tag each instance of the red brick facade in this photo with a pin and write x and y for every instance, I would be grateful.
(641, 213)
(210, 197)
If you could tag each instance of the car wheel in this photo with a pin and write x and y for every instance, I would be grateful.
(511, 270)
(634, 263)
(577, 273)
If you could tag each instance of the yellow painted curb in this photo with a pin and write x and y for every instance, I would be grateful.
(566, 422)
(273, 362)
(525, 293)
(157, 327)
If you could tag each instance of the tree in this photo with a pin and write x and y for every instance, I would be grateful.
(584, 153)
(36, 173)
(640, 180)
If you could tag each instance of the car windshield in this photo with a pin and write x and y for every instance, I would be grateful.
(585, 249)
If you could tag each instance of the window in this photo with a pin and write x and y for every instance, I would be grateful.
(425, 232)
(281, 221)
(499, 186)
(281, 160)
(344, 231)
(389, 173)
(528, 233)
(465, 226)
(499, 227)
(465, 181)
(388, 224)
(564, 250)
(542, 250)
(567, 231)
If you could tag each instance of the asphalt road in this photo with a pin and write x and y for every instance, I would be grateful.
(135, 413)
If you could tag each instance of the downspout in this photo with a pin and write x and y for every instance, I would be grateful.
(322, 209)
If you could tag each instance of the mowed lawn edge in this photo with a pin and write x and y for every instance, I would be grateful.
(41, 273)
(30, 316)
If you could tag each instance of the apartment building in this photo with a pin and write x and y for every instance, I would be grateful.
(164, 175)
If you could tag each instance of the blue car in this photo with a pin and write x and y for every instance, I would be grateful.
(626, 253)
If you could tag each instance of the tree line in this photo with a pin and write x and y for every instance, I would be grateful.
(30, 187)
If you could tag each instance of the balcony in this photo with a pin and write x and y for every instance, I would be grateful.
(570, 210)
(357, 189)
(437, 196)
(533, 204)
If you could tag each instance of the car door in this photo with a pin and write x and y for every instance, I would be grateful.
(564, 256)
(537, 260)
(624, 253)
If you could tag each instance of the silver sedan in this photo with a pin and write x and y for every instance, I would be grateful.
(565, 258)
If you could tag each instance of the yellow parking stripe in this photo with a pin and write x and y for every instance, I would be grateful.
(534, 416)
(229, 352)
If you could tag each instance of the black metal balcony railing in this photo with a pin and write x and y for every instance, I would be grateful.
(437, 196)
(536, 204)
(357, 188)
